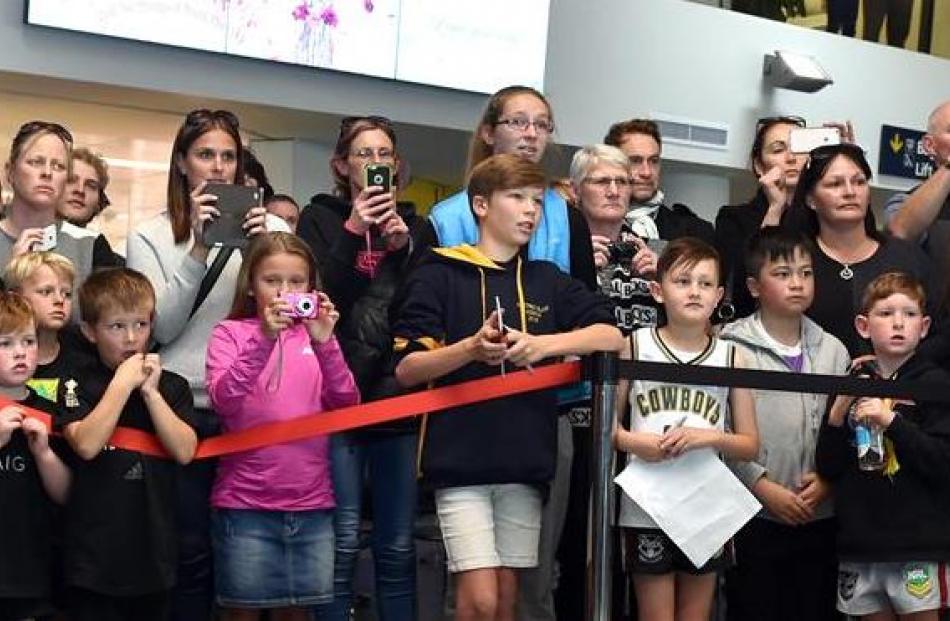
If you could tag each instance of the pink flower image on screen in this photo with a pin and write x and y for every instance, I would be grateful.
(329, 17)
(302, 11)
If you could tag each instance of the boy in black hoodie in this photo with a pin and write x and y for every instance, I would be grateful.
(490, 462)
(893, 525)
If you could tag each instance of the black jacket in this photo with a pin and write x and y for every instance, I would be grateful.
(904, 516)
(448, 297)
(363, 301)
(735, 225)
(680, 221)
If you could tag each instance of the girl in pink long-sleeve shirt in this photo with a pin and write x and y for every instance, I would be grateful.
(272, 526)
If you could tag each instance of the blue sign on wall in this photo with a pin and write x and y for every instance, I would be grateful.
(902, 154)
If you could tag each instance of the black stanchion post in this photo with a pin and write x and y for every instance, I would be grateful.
(604, 379)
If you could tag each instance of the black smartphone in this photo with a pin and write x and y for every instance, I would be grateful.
(234, 201)
(380, 175)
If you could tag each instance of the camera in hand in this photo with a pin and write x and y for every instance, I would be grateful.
(621, 252)
(302, 305)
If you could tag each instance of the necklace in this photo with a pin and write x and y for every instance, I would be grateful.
(846, 272)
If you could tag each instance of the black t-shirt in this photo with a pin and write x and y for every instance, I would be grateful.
(75, 352)
(25, 516)
(121, 536)
(837, 300)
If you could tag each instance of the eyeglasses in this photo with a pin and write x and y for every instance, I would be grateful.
(203, 115)
(367, 153)
(827, 151)
(819, 158)
(520, 124)
(768, 121)
(603, 183)
(34, 127)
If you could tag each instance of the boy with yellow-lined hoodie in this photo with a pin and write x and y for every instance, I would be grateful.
(490, 462)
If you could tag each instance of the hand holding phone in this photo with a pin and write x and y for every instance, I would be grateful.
(804, 139)
(49, 239)
(379, 176)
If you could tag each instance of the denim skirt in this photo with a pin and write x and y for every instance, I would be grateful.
(272, 559)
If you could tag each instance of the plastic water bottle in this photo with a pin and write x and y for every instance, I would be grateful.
(869, 439)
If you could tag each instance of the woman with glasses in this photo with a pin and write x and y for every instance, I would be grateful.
(519, 120)
(37, 170)
(169, 249)
(832, 203)
(777, 169)
(360, 237)
(601, 180)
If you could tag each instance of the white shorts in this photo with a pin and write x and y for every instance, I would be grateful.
(490, 525)
(865, 588)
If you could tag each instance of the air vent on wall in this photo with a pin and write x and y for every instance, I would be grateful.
(704, 134)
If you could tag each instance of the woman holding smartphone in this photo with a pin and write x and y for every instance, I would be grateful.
(37, 171)
(169, 249)
(360, 237)
(777, 169)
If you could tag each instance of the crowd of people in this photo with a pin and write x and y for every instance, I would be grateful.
(355, 298)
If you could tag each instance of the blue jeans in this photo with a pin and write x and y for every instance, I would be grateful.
(390, 460)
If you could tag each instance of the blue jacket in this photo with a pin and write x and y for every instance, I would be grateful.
(454, 224)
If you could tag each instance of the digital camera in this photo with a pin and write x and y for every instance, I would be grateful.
(302, 305)
(621, 252)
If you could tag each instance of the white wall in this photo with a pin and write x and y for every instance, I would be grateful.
(607, 60)
(295, 167)
(615, 59)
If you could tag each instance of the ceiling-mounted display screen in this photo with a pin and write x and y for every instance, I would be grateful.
(473, 45)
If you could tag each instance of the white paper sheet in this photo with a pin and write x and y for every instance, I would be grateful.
(695, 499)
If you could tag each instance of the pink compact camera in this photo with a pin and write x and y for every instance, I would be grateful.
(302, 305)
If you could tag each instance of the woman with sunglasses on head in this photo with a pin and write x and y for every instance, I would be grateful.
(519, 120)
(360, 236)
(170, 250)
(832, 204)
(777, 169)
(37, 171)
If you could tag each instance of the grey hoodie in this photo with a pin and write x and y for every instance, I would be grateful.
(788, 421)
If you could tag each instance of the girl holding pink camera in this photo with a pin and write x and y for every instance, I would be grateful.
(275, 358)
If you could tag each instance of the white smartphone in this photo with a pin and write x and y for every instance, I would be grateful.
(49, 239)
(804, 139)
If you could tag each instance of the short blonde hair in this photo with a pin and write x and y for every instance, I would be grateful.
(23, 267)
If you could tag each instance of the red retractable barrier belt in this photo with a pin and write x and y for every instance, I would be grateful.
(386, 410)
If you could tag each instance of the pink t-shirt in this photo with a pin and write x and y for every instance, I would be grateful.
(253, 380)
